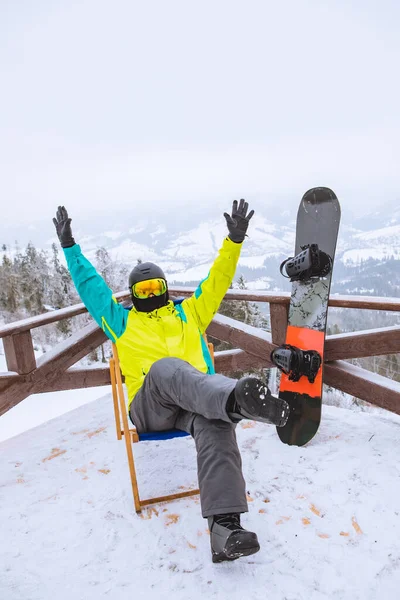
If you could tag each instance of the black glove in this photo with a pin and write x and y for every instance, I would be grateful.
(63, 227)
(238, 222)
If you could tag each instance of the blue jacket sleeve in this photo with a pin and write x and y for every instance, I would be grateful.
(95, 294)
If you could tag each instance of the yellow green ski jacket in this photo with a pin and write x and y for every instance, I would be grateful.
(173, 330)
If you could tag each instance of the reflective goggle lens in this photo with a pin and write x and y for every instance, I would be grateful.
(143, 289)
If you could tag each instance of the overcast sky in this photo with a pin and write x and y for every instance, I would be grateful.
(143, 103)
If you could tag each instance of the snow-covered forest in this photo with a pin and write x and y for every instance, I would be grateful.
(33, 281)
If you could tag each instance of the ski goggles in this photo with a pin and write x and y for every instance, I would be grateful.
(149, 287)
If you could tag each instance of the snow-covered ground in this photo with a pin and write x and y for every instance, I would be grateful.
(327, 515)
(39, 408)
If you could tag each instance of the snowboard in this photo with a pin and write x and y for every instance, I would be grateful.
(317, 227)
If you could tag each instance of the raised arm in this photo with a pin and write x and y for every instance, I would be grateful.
(208, 296)
(91, 287)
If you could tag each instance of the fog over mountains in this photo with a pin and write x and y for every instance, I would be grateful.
(185, 242)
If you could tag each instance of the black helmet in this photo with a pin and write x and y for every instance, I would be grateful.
(141, 272)
(144, 271)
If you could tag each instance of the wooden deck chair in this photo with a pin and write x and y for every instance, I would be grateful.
(131, 435)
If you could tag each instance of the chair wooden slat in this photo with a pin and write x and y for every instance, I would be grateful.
(131, 436)
(125, 429)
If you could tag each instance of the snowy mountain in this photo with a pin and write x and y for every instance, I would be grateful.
(185, 244)
(186, 255)
(326, 514)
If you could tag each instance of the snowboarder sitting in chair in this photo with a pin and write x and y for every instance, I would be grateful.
(170, 377)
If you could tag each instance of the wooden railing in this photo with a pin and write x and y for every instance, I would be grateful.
(54, 370)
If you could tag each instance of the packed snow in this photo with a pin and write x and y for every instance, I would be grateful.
(327, 515)
(39, 408)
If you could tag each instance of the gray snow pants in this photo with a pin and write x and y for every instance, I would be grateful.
(176, 395)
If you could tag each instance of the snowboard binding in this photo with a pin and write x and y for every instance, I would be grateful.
(310, 263)
(295, 362)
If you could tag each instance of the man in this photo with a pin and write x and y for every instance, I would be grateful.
(170, 377)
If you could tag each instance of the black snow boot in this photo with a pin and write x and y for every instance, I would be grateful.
(229, 540)
(252, 399)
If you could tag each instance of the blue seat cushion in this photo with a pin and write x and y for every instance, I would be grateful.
(169, 434)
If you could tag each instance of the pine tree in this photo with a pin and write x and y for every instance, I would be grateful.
(61, 292)
(8, 284)
(34, 279)
(115, 275)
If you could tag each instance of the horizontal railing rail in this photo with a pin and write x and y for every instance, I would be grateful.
(55, 369)
(283, 298)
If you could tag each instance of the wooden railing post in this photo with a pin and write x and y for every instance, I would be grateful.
(20, 356)
(279, 318)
